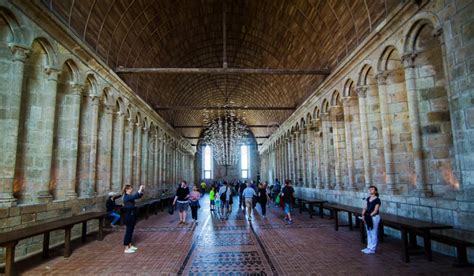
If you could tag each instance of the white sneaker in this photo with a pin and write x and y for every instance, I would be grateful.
(134, 248)
(368, 251)
(363, 250)
(129, 250)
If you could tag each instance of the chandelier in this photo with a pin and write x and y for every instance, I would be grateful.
(224, 135)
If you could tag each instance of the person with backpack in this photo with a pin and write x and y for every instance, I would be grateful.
(287, 195)
(225, 194)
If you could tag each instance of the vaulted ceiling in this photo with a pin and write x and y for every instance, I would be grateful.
(272, 34)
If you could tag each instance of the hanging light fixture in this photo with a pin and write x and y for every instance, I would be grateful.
(224, 135)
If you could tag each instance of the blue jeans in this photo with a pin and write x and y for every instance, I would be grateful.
(114, 216)
(287, 208)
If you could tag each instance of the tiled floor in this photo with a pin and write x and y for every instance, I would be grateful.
(216, 246)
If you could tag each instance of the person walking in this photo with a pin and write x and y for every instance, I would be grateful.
(286, 195)
(262, 198)
(249, 193)
(194, 197)
(371, 218)
(276, 190)
(225, 194)
(242, 187)
(130, 213)
(182, 198)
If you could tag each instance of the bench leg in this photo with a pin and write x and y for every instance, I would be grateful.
(45, 245)
(311, 210)
(101, 229)
(9, 258)
(84, 231)
(349, 214)
(412, 239)
(336, 217)
(406, 256)
(461, 260)
(427, 245)
(67, 242)
(147, 207)
(321, 210)
(300, 205)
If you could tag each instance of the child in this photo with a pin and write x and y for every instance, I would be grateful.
(212, 196)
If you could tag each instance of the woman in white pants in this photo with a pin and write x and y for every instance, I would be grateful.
(370, 215)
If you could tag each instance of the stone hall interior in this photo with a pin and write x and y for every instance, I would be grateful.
(316, 137)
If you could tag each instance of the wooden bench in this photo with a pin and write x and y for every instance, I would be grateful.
(311, 202)
(10, 239)
(461, 248)
(336, 208)
(148, 204)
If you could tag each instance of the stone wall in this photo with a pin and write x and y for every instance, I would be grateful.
(71, 130)
(398, 114)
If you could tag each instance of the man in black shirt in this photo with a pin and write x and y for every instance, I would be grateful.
(287, 197)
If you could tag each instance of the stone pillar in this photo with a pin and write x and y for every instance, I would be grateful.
(164, 160)
(156, 161)
(105, 170)
(297, 157)
(94, 125)
(336, 114)
(311, 151)
(118, 153)
(128, 160)
(387, 141)
(291, 174)
(144, 165)
(303, 157)
(75, 115)
(41, 185)
(346, 105)
(137, 155)
(318, 166)
(9, 123)
(364, 130)
(325, 117)
(410, 81)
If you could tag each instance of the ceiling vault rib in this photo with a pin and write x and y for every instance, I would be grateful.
(184, 108)
(223, 71)
(204, 126)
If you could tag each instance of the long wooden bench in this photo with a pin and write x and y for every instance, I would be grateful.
(311, 203)
(460, 245)
(10, 239)
(148, 204)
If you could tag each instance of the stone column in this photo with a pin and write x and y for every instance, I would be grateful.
(75, 115)
(118, 153)
(310, 149)
(94, 124)
(303, 157)
(9, 123)
(325, 117)
(46, 152)
(128, 160)
(156, 161)
(164, 160)
(291, 174)
(364, 130)
(144, 165)
(410, 81)
(137, 155)
(318, 164)
(346, 105)
(106, 149)
(297, 157)
(336, 114)
(387, 141)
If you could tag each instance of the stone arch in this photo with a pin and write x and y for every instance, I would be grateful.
(389, 60)
(349, 88)
(366, 76)
(325, 106)
(120, 105)
(51, 59)
(336, 98)
(10, 30)
(418, 22)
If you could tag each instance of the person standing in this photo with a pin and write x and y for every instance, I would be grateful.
(371, 218)
(182, 198)
(212, 197)
(194, 197)
(276, 189)
(286, 195)
(262, 198)
(242, 187)
(249, 194)
(130, 213)
(225, 193)
(203, 187)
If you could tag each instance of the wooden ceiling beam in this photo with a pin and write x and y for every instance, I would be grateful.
(222, 71)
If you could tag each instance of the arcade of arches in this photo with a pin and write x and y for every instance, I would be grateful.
(392, 104)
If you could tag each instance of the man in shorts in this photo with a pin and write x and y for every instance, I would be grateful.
(287, 196)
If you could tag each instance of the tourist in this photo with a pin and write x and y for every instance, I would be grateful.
(212, 197)
(371, 218)
(130, 215)
(286, 195)
(194, 197)
(276, 190)
(242, 187)
(182, 198)
(249, 194)
(262, 198)
(203, 187)
(112, 207)
(225, 194)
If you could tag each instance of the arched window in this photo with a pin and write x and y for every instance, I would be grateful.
(244, 161)
(207, 162)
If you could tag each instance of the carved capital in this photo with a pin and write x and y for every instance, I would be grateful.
(52, 73)
(77, 89)
(19, 53)
(382, 78)
(347, 100)
(361, 91)
(408, 60)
